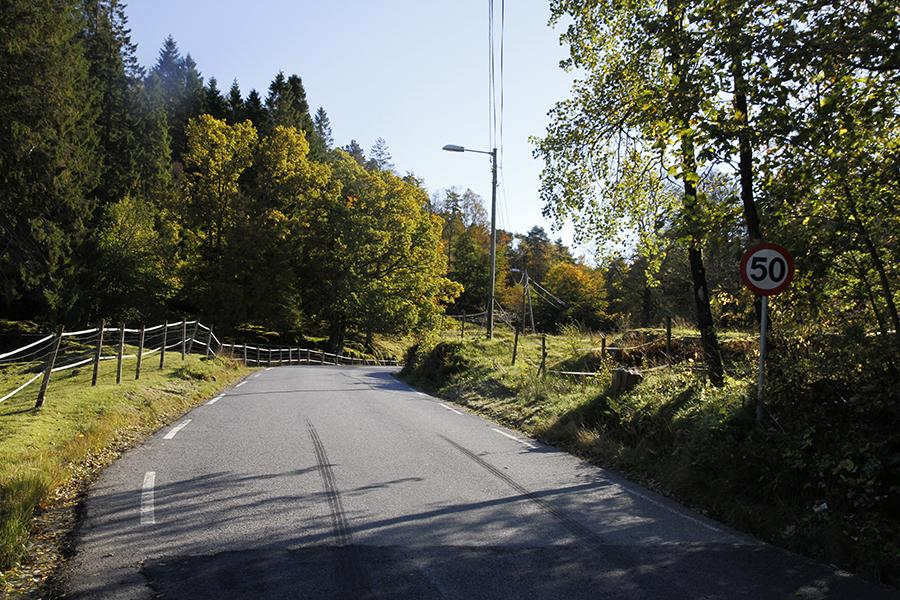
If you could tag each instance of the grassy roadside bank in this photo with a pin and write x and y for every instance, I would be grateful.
(47, 455)
(816, 478)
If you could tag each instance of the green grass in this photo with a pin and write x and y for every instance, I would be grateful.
(42, 450)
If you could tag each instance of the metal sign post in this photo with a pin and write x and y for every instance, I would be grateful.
(763, 331)
(767, 269)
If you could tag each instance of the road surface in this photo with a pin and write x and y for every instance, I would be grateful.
(342, 482)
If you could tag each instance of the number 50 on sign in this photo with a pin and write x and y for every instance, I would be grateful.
(767, 269)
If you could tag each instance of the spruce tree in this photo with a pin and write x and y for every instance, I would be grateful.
(322, 125)
(48, 161)
(154, 150)
(109, 49)
(300, 107)
(288, 106)
(180, 90)
(356, 151)
(235, 104)
(214, 103)
(255, 112)
(380, 156)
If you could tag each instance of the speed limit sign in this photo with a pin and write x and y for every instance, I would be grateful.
(767, 269)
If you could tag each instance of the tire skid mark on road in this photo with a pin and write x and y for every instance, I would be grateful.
(615, 554)
(352, 580)
(574, 527)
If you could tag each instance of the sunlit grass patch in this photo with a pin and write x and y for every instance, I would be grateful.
(44, 449)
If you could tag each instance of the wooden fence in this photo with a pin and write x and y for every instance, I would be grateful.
(64, 350)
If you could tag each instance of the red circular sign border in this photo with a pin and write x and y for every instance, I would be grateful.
(767, 246)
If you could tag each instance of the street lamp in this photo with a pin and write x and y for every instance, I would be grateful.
(493, 155)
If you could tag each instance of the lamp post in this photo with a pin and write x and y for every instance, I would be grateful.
(490, 302)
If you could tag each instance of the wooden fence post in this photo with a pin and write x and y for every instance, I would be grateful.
(308, 357)
(119, 353)
(669, 340)
(603, 349)
(46, 380)
(209, 341)
(322, 356)
(162, 348)
(543, 369)
(190, 344)
(245, 354)
(183, 337)
(462, 327)
(140, 355)
(97, 353)
(269, 358)
(515, 346)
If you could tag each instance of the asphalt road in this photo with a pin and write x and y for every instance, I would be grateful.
(342, 482)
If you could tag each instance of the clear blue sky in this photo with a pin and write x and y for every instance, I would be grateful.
(414, 72)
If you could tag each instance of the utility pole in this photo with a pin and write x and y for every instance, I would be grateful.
(490, 306)
(524, 296)
(493, 267)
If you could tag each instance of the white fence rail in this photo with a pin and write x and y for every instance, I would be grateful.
(25, 366)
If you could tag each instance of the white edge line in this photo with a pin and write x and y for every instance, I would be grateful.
(176, 429)
(449, 408)
(240, 384)
(214, 400)
(512, 437)
(269, 368)
(147, 515)
(670, 509)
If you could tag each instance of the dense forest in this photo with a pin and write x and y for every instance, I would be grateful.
(139, 194)
(134, 193)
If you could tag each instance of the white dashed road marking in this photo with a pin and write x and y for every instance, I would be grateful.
(240, 384)
(147, 516)
(176, 429)
(214, 400)
(450, 409)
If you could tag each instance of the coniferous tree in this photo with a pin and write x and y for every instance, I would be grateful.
(113, 70)
(181, 91)
(154, 149)
(214, 103)
(235, 104)
(48, 161)
(288, 106)
(380, 156)
(322, 125)
(300, 106)
(255, 112)
(356, 151)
